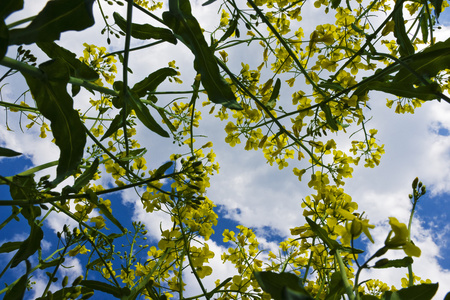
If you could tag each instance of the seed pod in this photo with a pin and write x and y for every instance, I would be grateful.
(65, 281)
(77, 280)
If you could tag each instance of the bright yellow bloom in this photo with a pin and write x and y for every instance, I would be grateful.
(401, 238)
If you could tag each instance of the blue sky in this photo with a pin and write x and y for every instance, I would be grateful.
(250, 192)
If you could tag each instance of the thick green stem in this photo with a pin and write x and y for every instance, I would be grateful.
(342, 268)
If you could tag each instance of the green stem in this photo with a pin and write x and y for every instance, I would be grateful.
(342, 268)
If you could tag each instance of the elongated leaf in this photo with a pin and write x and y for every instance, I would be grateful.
(77, 68)
(437, 7)
(10, 246)
(369, 297)
(180, 19)
(276, 91)
(274, 283)
(115, 125)
(427, 92)
(322, 234)
(336, 287)
(329, 117)
(23, 188)
(416, 292)
(105, 211)
(426, 63)
(56, 105)
(18, 290)
(162, 169)
(8, 152)
(132, 154)
(424, 26)
(6, 8)
(290, 294)
(405, 46)
(82, 180)
(56, 17)
(152, 81)
(231, 29)
(169, 124)
(61, 294)
(4, 38)
(145, 31)
(335, 3)
(106, 288)
(29, 246)
(144, 115)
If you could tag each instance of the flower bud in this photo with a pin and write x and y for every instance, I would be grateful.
(414, 184)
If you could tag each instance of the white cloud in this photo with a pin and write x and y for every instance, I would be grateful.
(266, 196)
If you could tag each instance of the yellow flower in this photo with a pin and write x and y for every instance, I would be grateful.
(354, 226)
(79, 250)
(401, 238)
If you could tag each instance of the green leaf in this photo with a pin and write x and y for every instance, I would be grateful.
(10, 6)
(6, 8)
(102, 207)
(8, 152)
(145, 31)
(217, 288)
(132, 154)
(290, 294)
(106, 288)
(18, 290)
(29, 246)
(23, 188)
(394, 263)
(447, 297)
(405, 46)
(56, 17)
(162, 169)
(335, 3)
(427, 92)
(274, 284)
(56, 105)
(329, 117)
(169, 124)
(180, 19)
(336, 287)
(115, 125)
(61, 294)
(209, 2)
(4, 38)
(77, 68)
(427, 63)
(437, 7)
(82, 180)
(10, 246)
(276, 91)
(231, 29)
(323, 235)
(369, 297)
(152, 81)
(144, 115)
(415, 292)
(424, 26)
